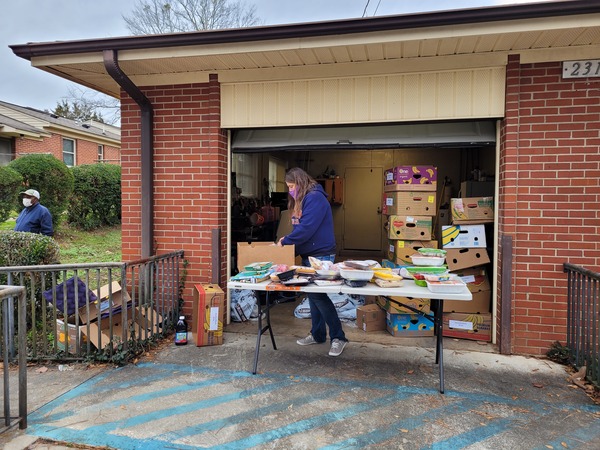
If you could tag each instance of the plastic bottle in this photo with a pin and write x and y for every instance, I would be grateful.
(181, 331)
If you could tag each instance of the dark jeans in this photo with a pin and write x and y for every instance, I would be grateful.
(323, 312)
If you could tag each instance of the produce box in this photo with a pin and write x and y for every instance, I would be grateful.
(400, 251)
(476, 327)
(411, 178)
(409, 325)
(409, 202)
(462, 258)
(463, 236)
(112, 297)
(208, 314)
(472, 210)
(398, 305)
(411, 228)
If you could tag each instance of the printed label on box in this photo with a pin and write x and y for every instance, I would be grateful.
(214, 319)
(460, 324)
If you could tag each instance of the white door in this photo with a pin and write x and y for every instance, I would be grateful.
(363, 187)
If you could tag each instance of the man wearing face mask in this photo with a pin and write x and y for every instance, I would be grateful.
(34, 218)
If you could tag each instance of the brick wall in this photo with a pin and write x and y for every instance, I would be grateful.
(190, 177)
(549, 195)
(86, 152)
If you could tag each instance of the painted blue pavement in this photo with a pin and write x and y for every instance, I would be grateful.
(166, 406)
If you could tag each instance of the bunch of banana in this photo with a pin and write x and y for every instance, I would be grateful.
(475, 319)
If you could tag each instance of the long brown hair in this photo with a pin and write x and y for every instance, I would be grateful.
(304, 184)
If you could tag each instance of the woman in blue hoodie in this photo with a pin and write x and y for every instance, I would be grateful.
(312, 234)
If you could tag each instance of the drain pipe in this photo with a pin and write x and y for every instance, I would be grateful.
(111, 65)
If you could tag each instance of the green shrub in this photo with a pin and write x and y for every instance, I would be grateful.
(10, 186)
(50, 177)
(96, 198)
(28, 249)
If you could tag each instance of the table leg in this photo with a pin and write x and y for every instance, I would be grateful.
(439, 350)
(262, 329)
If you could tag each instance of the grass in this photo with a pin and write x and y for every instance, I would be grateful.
(77, 246)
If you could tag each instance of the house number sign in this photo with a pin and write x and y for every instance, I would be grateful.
(581, 69)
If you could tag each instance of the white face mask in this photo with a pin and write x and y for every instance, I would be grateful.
(26, 202)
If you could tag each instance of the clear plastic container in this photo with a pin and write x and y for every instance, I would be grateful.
(446, 287)
(356, 274)
(420, 260)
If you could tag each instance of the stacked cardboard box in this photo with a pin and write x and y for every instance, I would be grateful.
(466, 255)
(409, 202)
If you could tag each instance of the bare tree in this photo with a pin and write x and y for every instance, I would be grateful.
(162, 16)
(108, 108)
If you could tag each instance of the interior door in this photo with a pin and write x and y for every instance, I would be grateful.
(362, 208)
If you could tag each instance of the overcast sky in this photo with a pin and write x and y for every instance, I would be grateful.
(63, 20)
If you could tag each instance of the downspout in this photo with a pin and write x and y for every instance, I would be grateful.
(111, 64)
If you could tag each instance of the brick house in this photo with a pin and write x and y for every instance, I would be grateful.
(514, 90)
(26, 130)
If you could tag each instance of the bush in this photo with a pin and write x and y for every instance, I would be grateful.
(28, 249)
(50, 177)
(10, 185)
(96, 198)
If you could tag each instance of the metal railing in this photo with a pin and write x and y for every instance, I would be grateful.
(7, 295)
(583, 319)
(75, 311)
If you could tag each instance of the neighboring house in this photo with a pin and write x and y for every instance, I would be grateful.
(24, 131)
(487, 88)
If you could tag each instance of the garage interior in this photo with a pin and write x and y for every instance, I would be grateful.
(464, 152)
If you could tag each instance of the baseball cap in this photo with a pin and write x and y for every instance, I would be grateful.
(32, 193)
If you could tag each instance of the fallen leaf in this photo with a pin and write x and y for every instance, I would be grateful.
(538, 385)
(549, 446)
(404, 430)
(410, 371)
(564, 444)
(42, 370)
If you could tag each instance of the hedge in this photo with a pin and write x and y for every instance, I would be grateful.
(10, 186)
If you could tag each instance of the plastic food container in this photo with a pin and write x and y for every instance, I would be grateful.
(420, 260)
(357, 274)
(446, 287)
(328, 274)
(438, 252)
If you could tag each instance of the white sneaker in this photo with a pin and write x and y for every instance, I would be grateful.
(337, 347)
(308, 340)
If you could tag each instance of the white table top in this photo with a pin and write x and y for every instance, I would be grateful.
(410, 289)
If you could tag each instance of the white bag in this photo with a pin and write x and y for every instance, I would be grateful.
(244, 305)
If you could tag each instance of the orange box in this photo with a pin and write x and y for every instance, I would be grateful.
(208, 314)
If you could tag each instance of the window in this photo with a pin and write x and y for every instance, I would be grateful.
(276, 175)
(5, 152)
(69, 152)
(100, 152)
(245, 167)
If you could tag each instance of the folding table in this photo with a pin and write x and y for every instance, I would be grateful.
(409, 289)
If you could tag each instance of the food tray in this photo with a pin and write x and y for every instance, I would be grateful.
(434, 261)
(356, 283)
(446, 287)
(328, 274)
(356, 274)
(436, 252)
(287, 275)
(432, 270)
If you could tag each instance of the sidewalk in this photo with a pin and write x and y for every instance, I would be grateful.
(372, 396)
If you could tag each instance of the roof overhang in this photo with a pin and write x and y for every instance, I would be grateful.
(553, 31)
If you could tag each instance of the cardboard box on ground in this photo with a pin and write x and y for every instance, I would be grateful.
(106, 315)
(208, 314)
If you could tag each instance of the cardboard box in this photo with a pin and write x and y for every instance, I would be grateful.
(391, 264)
(476, 327)
(476, 278)
(398, 305)
(463, 236)
(410, 228)
(408, 325)
(208, 314)
(68, 342)
(370, 318)
(462, 258)
(479, 305)
(472, 210)
(248, 253)
(99, 332)
(411, 178)
(400, 251)
(409, 202)
(148, 319)
(110, 292)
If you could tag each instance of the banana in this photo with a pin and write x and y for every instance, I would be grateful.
(430, 172)
(423, 180)
(414, 169)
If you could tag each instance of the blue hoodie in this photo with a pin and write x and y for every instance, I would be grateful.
(313, 233)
